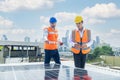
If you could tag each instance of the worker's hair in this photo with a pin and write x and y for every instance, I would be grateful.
(81, 21)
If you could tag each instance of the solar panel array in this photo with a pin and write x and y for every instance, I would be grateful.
(49, 72)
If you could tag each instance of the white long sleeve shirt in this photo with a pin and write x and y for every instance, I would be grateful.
(45, 34)
(81, 34)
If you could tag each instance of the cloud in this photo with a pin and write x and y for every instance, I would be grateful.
(94, 21)
(7, 27)
(96, 14)
(112, 36)
(102, 11)
(115, 31)
(5, 22)
(65, 16)
(62, 17)
(19, 34)
(44, 20)
(12, 5)
(16, 31)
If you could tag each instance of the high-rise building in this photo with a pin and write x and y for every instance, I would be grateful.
(27, 39)
(67, 33)
(96, 43)
(4, 38)
(67, 38)
(93, 45)
(64, 40)
(97, 40)
(36, 40)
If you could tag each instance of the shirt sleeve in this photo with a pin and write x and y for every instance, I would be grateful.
(70, 40)
(90, 41)
(45, 34)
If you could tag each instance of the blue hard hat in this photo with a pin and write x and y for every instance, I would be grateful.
(53, 20)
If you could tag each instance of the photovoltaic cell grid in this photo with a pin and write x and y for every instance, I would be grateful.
(49, 72)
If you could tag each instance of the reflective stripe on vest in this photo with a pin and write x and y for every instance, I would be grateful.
(52, 39)
(52, 42)
(52, 32)
(82, 48)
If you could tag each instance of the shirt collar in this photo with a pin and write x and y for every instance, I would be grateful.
(82, 30)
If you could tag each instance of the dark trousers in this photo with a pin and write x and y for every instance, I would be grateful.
(52, 54)
(79, 60)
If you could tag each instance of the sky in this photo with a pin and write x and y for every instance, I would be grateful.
(20, 18)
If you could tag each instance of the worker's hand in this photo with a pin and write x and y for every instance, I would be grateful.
(84, 46)
(77, 46)
(61, 43)
(47, 42)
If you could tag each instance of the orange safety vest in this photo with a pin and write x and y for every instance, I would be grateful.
(52, 38)
(77, 39)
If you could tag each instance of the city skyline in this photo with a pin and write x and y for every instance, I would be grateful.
(65, 38)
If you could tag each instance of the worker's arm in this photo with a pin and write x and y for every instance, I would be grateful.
(90, 40)
(89, 43)
(70, 40)
(45, 39)
(60, 42)
(45, 34)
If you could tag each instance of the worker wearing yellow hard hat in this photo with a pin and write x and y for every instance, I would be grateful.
(81, 42)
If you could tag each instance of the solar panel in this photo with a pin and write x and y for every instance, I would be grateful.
(49, 72)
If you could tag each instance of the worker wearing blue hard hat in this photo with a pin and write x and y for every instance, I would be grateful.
(51, 42)
(53, 22)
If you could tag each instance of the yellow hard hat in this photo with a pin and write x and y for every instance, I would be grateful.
(78, 19)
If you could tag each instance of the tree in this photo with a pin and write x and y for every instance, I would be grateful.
(104, 50)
